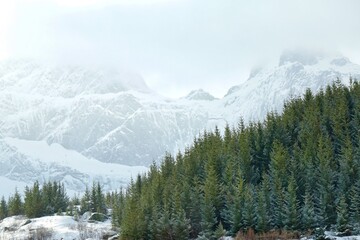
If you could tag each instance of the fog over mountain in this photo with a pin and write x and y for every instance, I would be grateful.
(56, 118)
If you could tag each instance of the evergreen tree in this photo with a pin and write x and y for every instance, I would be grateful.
(211, 202)
(181, 225)
(132, 226)
(220, 231)
(308, 215)
(263, 205)
(250, 219)
(194, 209)
(60, 197)
(278, 175)
(342, 214)
(233, 212)
(325, 180)
(15, 204)
(292, 206)
(85, 203)
(3, 208)
(298, 170)
(355, 202)
(32, 204)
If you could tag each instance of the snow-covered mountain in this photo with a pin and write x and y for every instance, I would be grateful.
(56, 122)
(267, 89)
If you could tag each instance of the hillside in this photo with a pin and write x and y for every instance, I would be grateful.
(297, 171)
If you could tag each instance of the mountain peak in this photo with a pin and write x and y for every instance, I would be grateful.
(305, 57)
(32, 77)
(200, 94)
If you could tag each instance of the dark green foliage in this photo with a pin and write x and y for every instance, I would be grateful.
(33, 204)
(342, 214)
(85, 202)
(38, 201)
(94, 201)
(117, 207)
(49, 199)
(299, 170)
(292, 213)
(54, 198)
(15, 204)
(263, 206)
(355, 202)
(308, 215)
(3, 208)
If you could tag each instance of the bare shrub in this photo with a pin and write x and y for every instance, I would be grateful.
(249, 235)
(41, 233)
(85, 232)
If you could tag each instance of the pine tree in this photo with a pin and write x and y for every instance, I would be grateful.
(355, 202)
(3, 208)
(263, 205)
(278, 175)
(99, 200)
(234, 207)
(47, 198)
(292, 206)
(211, 202)
(308, 215)
(194, 209)
(208, 222)
(60, 197)
(32, 204)
(15, 204)
(132, 226)
(325, 180)
(347, 168)
(164, 227)
(220, 231)
(250, 220)
(342, 214)
(85, 203)
(181, 225)
(118, 208)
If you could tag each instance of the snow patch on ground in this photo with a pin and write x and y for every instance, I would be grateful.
(52, 227)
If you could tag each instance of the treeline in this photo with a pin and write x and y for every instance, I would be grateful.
(51, 198)
(296, 171)
(36, 201)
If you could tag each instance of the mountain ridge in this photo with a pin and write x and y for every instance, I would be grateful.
(136, 127)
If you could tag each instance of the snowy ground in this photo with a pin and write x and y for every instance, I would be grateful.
(67, 228)
(332, 235)
(329, 235)
(53, 227)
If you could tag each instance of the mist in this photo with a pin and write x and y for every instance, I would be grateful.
(178, 46)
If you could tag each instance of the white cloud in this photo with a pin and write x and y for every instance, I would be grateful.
(188, 44)
(97, 3)
(7, 17)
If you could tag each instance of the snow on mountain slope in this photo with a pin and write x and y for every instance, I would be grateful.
(114, 117)
(26, 161)
(200, 94)
(30, 77)
(267, 89)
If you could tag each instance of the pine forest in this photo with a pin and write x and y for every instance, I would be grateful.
(297, 172)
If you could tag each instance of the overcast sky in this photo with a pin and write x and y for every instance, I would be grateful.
(177, 45)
